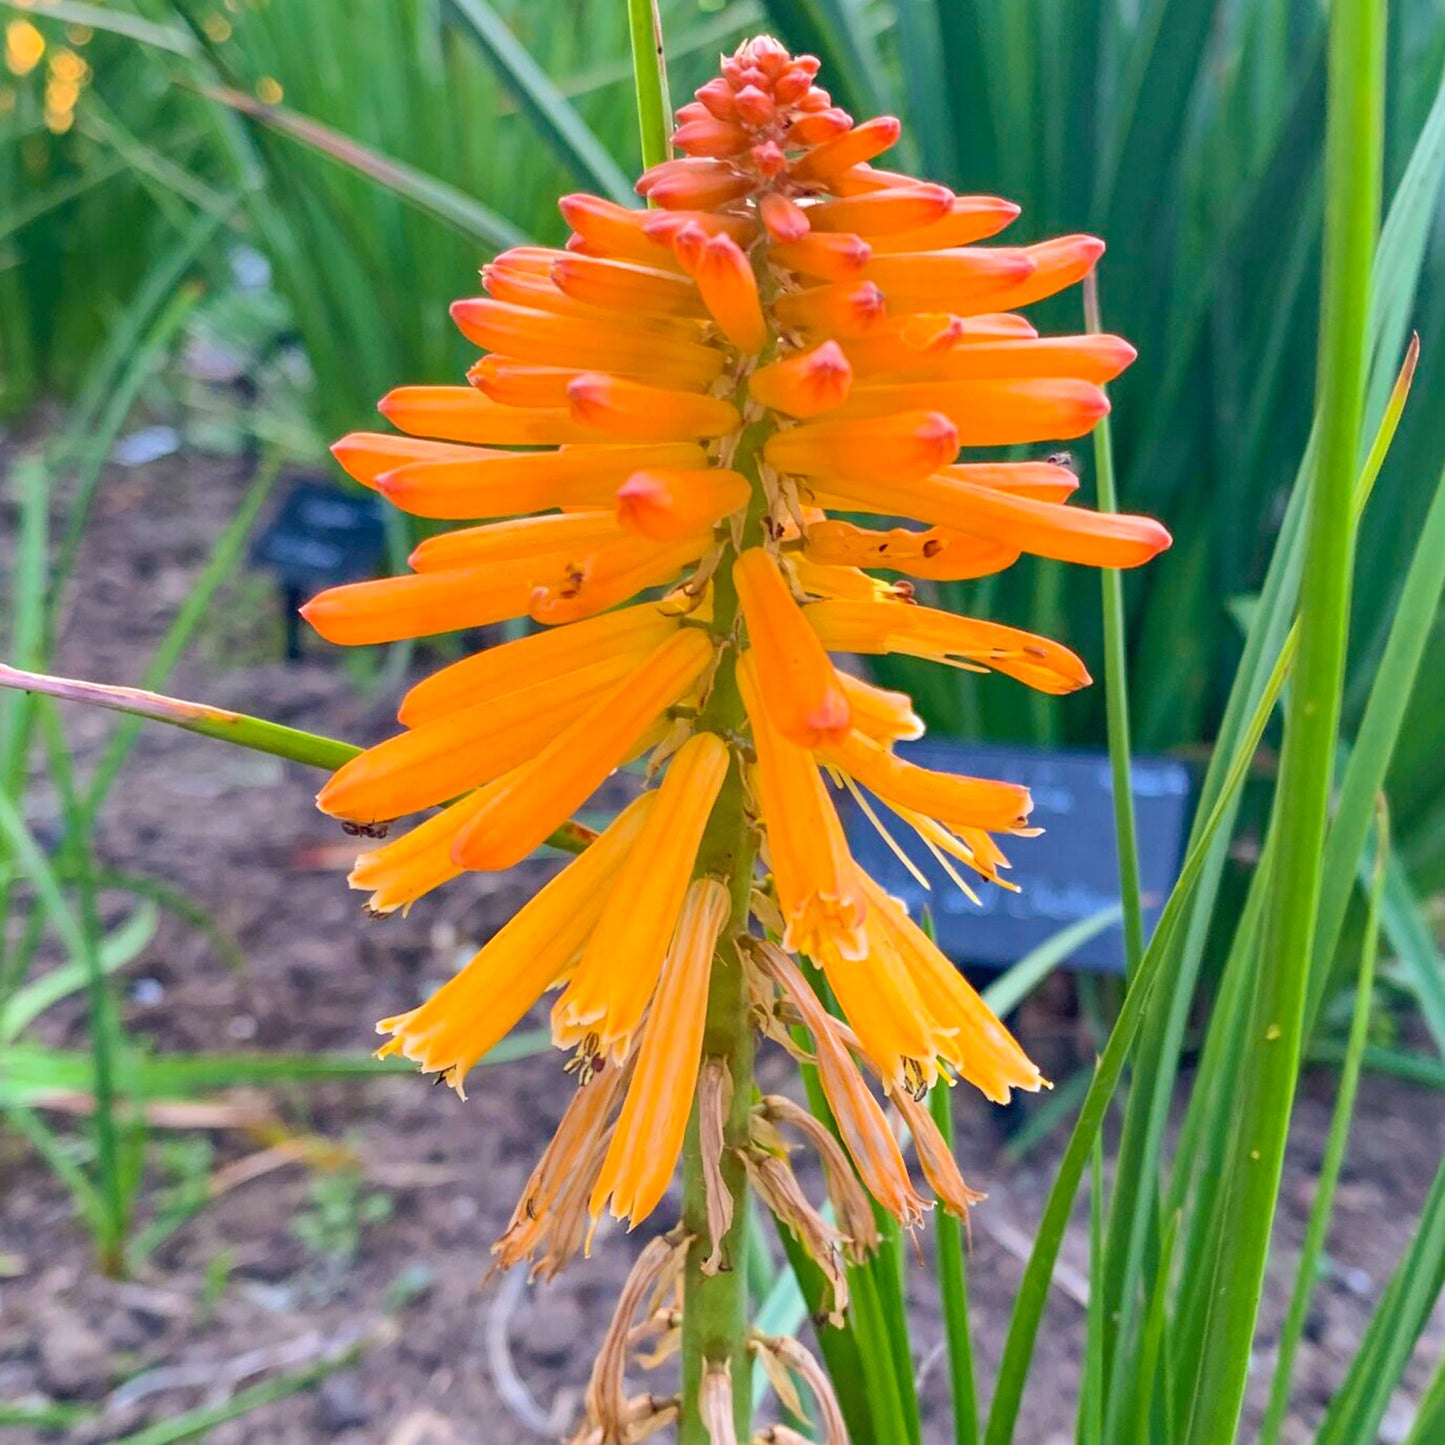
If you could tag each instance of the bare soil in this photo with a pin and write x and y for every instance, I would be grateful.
(360, 1213)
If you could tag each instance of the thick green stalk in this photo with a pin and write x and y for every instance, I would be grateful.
(649, 73)
(1241, 1240)
(715, 1306)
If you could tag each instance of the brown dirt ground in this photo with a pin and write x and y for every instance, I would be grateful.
(234, 1296)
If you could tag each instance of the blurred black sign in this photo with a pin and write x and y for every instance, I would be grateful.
(320, 537)
(1067, 874)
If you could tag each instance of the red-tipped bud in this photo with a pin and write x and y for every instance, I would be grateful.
(783, 219)
(831, 256)
(820, 126)
(792, 84)
(754, 106)
(838, 310)
(769, 55)
(648, 413)
(805, 384)
(815, 98)
(717, 96)
(687, 245)
(860, 144)
(768, 159)
(711, 137)
(693, 183)
(880, 213)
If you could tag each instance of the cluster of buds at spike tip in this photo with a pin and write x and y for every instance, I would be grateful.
(643, 463)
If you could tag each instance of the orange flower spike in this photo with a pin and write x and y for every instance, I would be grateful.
(611, 404)
(969, 219)
(463, 414)
(474, 1010)
(842, 309)
(481, 483)
(885, 212)
(816, 879)
(828, 255)
(798, 683)
(607, 996)
(806, 383)
(729, 289)
(648, 1139)
(668, 505)
(889, 449)
(783, 219)
(860, 144)
(553, 784)
(525, 661)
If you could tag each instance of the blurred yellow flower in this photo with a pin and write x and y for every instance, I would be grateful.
(24, 47)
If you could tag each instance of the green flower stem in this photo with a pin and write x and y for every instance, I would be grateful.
(649, 71)
(715, 1306)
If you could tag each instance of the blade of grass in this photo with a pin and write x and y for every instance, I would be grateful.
(1429, 1423)
(1317, 1227)
(1353, 167)
(1355, 1412)
(649, 77)
(426, 192)
(1091, 1387)
(553, 116)
(1116, 683)
(1158, 956)
(952, 1270)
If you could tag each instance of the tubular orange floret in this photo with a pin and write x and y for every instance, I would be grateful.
(483, 483)
(798, 684)
(968, 219)
(613, 405)
(463, 414)
(539, 539)
(889, 449)
(545, 339)
(805, 383)
(963, 280)
(1096, 359)
(827, 255)
(368, 456)
(537, 797)
(1057, 264)
(994, 412)
(392, 608)
(586, 586)
(854, 147)
(937, 553)
(884, 716)
(882, 212)
(1044, 529)
(844, 625)
(625, 286)
(730, 292)
(562, 651)
(782, 218)
(667, 505)
(842, 309)
(693, 184)
(602, 1002)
